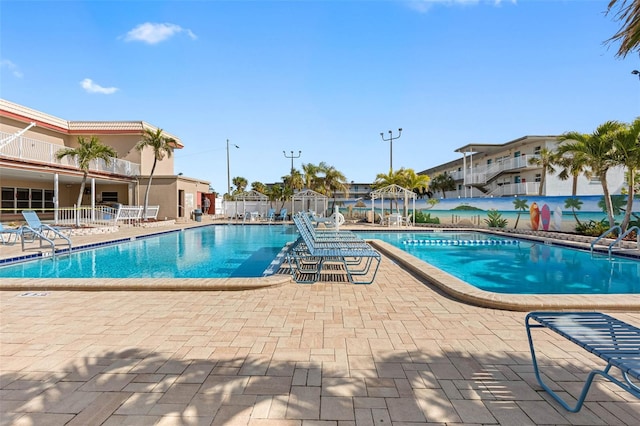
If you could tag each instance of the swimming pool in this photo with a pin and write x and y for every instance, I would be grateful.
(224, 251)
(524, 267)
(217, 251)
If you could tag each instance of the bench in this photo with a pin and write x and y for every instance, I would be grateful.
(614, 341)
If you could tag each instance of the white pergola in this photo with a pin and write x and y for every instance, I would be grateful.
(393, 192)
(254, 200)
(314, 199)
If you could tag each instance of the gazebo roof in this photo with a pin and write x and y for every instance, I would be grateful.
(392, 191)
(251, 196)
(308, 193)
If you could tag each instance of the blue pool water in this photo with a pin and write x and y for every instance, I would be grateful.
(524, 268)
(219, 251)
(223, 251)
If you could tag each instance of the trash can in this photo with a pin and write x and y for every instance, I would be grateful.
(197, 215)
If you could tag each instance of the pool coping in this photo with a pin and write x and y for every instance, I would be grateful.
(460, 290)
(444, 282)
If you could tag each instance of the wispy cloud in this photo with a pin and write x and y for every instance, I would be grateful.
(151, 33)
(90, 87)
(425, 5)
(13, 68)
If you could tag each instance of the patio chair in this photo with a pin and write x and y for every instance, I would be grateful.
(282, 215)
(7, 233)
(34, 224)
(271, 215)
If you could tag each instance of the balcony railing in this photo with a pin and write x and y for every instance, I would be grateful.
(526, 188)
(28, 149)
(484, 174)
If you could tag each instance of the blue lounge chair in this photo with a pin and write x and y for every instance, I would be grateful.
(7, 233)
(282, 215)
(614, 341)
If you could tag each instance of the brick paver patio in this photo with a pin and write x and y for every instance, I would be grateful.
(394, 352)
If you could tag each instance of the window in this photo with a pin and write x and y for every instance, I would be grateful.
(516, 179)
(37, 201)
(8, 198)
(22, 198)
(48, 199)
(516, 154)
(109, 197)
(536, 150)
(538, 178)
(489, 161)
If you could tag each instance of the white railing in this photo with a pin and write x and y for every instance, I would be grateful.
(484, 174)
(100, 215)
(525, 188)
(44, 152)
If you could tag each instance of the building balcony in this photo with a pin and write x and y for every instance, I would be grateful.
(37, 151)
(480, 175)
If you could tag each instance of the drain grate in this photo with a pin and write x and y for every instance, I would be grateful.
(34, 294)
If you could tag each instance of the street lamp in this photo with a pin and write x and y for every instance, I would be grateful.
(636, 72)
(390, 140)
(228, 169)
(292, 157)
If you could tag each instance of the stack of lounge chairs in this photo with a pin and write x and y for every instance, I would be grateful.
(315, 250)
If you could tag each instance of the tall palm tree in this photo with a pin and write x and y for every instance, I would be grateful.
(626, 147)
(85, 153)
(310, 172)
(162, 146)
(259, 187)
(546, 159)
(331, 181)
(443, 182)
(572, 167)
(628, 12)
(240, 183)
(597, 150)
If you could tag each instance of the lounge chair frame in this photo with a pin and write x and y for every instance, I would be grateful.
(614, 341)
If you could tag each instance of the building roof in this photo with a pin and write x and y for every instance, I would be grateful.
(489, 148)
(23, 113)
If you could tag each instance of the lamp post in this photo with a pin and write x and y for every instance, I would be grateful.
(228, 169)
(292, 156)
(390, 140)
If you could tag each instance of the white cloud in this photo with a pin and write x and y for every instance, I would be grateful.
(151, 33)
(425, 5)
(90, 87)
(13, 68)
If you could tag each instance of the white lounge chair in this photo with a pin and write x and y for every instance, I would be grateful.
(7, 233)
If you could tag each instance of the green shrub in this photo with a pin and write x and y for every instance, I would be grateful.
(426, 218)
(593, 228)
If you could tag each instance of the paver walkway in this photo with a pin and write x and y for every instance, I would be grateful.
(395, 352)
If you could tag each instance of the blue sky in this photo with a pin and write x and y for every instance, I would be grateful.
(323, 77)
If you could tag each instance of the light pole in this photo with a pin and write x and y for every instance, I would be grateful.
(390, 140)
(228, 169)
(292, 157)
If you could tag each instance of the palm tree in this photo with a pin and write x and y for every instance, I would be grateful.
(626, 146)
(240, 183)
(597, 152)
(574, 204)
(572, 167)
(162, 147)
(331, 181)
(259, 187)
(628, 12)
(521, 205)
(85, 153)
(443, 182)
(546, 159)
(310, 175)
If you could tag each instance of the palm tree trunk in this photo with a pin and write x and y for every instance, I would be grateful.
(146, 193)
(541, 188)
(79, 203)
(627, 213)
(607, 199)
(574, 186)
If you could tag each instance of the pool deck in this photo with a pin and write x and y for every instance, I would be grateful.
(397, 352)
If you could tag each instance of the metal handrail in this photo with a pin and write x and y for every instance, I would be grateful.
(593, 243)
(622, 235)
(42, 237)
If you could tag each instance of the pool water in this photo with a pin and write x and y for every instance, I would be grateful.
(524, 268)
(219, 251)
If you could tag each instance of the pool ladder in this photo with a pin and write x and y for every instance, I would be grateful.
(617, 241)
(43, 238)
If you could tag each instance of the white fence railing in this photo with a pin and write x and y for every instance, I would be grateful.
(484, 174)
(44, 152)
(104, 215)
(526, 188)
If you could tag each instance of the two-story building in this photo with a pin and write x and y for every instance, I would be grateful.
(498, 170)
(31, 177)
